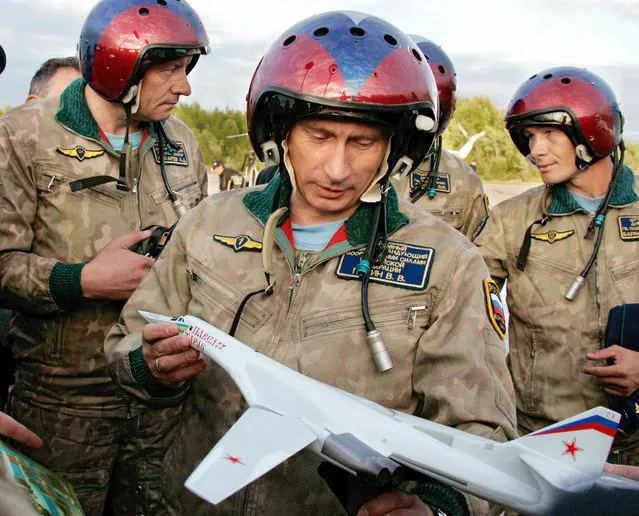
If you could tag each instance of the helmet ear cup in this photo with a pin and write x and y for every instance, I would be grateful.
(121, 38)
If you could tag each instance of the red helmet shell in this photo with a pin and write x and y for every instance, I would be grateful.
(445, 77)
(118, 35)
(342, 59)
(595, 114)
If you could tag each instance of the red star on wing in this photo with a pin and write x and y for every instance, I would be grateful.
(572, 448)
(233, 460)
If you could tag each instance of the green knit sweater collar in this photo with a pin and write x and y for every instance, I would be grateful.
(74, 113)
(261, 204)
(624, 193)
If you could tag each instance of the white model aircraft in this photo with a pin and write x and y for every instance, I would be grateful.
(289, 411)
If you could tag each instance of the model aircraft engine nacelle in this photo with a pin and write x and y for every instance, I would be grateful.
(350, 452)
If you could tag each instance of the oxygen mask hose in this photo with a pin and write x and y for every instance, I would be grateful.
(597, 224)
(374, 339)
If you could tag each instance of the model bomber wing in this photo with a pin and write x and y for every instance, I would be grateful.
(255, 444)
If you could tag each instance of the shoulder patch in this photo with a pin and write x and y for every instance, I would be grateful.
(405, 266)
(552, 236)
(494, 307)
(239, 243)
(80, 153)
(172, 156)
(629, 227)
(442, 183)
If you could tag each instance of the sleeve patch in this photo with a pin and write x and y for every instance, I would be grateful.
(494, 307)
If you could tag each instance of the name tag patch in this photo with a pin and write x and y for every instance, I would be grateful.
(239, 243)
(629, 227)
(552, 236)
(172, 156)
(442, 183)
(494, 307)
(405, 266)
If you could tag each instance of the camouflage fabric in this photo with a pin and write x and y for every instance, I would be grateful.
(460, 199)
(57, 344)
(450, 367)
(549, 336)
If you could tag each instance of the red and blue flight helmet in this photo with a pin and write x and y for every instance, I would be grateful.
(120, 39)
(574, 100)
(445, 77)
(357, 67)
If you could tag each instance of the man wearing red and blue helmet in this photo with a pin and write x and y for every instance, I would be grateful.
(83, 174)
(569, 250)
(338, 102)
(444, 184)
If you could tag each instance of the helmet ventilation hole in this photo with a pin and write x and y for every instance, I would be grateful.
(144, 11)
(358, 32)
(390, 40)
(289, 40)
(548, 76)
(532, 77)
(566, 80)
(416, 54)
(441, 69)
(162, 2)
(322, 31)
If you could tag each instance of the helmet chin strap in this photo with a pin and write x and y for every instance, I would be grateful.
(133, 95)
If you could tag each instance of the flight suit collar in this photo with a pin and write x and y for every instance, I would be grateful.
(74, 114)
(563, 203)
(261, 203)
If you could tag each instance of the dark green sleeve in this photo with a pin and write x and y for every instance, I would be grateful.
(64, 285)
(441, 496)
(143, 376)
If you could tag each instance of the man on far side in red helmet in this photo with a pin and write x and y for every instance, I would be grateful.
(83, 175)
(444, 184)
(570, 252)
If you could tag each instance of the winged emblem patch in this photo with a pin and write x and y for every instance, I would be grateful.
(552, 236)
(239, 243)
(80, 153)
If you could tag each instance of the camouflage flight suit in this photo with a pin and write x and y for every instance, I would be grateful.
(460, 199)
(549, 336)
(449, 363)
(91, 428)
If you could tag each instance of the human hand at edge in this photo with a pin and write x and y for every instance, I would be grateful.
(622, 377)
(9, 427)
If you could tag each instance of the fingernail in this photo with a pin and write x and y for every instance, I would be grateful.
(192, 354)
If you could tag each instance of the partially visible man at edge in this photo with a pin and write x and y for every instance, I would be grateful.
(338, 142)
(83, 174)
(568, 251)
(53, 76)
(444, 184)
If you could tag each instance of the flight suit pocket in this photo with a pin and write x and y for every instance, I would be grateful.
(186, 189)
(523, 365)
(626, 277)
(212, 295)
(53, 184)
(385, 314)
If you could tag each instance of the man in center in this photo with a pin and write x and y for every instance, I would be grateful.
(321, 265)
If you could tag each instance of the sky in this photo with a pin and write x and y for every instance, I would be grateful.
(494, 44)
